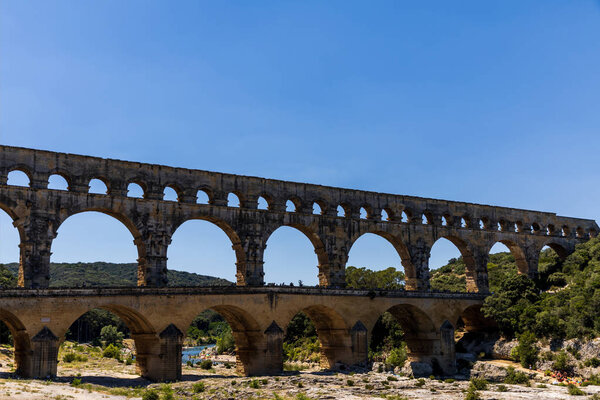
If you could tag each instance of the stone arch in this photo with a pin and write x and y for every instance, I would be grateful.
(65, 214)
(517, 252)
(176, 188)
(473, 320)
(142, 332)
(397, 244)
(468, 258)
(22, 169)
(558, 248)
(22, 343)
(102, 179)
(332, 330)
(63, 174)
(247, 334)
(236, 242)
(420, 332)
(315, 240)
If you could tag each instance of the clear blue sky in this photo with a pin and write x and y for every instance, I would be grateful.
(493, 102)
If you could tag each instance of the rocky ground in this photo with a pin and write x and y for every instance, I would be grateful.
(102, 378)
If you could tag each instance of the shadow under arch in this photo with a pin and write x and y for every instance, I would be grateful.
(405, 259)
(561, 251)
(247, 335)
(333, 333)
(518, 253)
(419, 332)
(236, 243)
(318, 246)
(142, 332)
(21, 341)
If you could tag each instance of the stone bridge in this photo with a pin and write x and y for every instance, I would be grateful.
(158, 319)
(411, 224)
(158, 316)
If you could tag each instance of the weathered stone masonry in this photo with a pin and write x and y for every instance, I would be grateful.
(158, 316)
(474, 229)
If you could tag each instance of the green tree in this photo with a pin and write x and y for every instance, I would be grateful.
(111, 336)
(363, 278)
(527, 351)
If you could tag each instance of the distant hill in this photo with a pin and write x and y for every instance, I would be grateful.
(99, 274)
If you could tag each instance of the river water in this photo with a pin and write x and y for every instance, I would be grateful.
(188, 353)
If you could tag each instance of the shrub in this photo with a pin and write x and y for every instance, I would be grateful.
(264, 381)
(592, 362)
(129, 360)
(526, 351)
(206, 364)
(76, 382)
(112, 351)
(198, 387)
(392, 378)
(502, 388)
(350, 382)
(369, 386)
(514, 377)
(150, 394)
(397, 356)
(574, 390)
(449, 380)
(420, 382)
(479, 383)
(254, 384)
(472, 393)
(561, 362)
(69, 357)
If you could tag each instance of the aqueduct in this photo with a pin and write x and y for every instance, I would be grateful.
(39, 317)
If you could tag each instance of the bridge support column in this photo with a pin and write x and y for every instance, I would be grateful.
(274, 351)
(477, 280)
(360, 347)
(417, 268)
(152, 264)
(435, 349)
(249, 255)
(332, 261)
(44, 362)
(532, 257)
(159, 356)
(34, 268)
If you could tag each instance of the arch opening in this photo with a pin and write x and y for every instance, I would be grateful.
(98, 186)
(58, 182)
(317, 209)
(202, 197)
(15, 339)
(263, 204)
(135, 190)
(341, 211)
(18, 177)
(110, 334)
(9, 250)
(94, 248)
(452, 266)
(303, 244)
(233, 200)
(313, 337)
(505, 259)
(374, 262)
(201, 252)
(225, 334)
(170, 194)
(550, 267)
(400, 334)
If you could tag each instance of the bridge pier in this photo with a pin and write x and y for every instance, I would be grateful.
(44, 355)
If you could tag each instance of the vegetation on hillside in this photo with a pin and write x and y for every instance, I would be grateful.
(103, 274)
(563, 303)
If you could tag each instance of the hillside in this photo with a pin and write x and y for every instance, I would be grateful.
(563, 303)
(102, 274)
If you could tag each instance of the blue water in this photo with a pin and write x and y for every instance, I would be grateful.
(193, 351)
